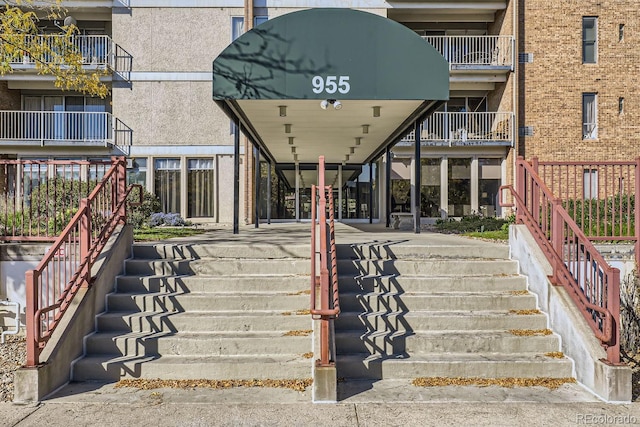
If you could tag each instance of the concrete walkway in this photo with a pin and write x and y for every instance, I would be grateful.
(101, 404)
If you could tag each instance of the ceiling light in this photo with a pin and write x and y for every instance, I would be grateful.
(337, 105)
(293, 150)
(291, 140)
(287, 128)
(352, 150)
(376, 111)
(324, 104)
(346, 157)
(365, 128)
(283, 110)
(358, 140)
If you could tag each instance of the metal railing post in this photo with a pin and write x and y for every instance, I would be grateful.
(557, 238)
(85, 238)
(31, 322)
(520, 186)
(613, 306)
(636, 203)
(535, 193)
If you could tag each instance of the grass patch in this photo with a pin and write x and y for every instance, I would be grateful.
(162, 233)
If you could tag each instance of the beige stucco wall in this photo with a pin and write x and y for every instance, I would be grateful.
(552, 85)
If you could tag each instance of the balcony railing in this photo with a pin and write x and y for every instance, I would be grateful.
(492, 128)
(485, 51)
(56, 127)
(96, 51)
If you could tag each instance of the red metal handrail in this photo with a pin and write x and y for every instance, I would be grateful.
(327, 281)
(66, 267)
(592, 283)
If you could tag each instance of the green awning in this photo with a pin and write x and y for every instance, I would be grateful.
(376, 58)
(273, 78)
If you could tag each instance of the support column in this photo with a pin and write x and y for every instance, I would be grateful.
(370, 193)
(256, 188)
(297, 169)
(269, 193)
(475, 185)
(339, 192)
(236, 178)
(444, 187)
(417, 166)
(387, 184)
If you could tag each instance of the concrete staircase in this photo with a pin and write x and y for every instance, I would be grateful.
(205, 311)
(438, 311)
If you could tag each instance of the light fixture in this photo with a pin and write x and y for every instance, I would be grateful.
(358, 140)
(295, 157)
(346, 157)
(283, 110)
(291, 140)
(352, 150)
(365, 128)
(324, 104)
(287, 128)
(344, 163)
(376, 111)
(293, 150)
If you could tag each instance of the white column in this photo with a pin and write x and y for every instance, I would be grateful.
(413, 183)
(339, 192)
(444, 187)
(475, 184)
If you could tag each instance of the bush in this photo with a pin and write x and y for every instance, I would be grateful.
(138, 216)
(471, 223)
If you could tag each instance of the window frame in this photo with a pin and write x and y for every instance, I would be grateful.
(589, 127)
(586, 42)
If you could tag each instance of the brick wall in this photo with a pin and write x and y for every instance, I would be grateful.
(550, 88)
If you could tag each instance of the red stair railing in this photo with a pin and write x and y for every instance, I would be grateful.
(66, 267)
(594, 286)
(326, 283)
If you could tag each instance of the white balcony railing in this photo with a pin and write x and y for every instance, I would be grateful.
(496, 51)
(466, 129)
(57, 127)
(97, 51)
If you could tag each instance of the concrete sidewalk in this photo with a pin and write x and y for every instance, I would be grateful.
(158, 409)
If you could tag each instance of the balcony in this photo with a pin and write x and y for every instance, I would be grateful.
(475, 53)
(98, 53)
(465, 129)
(57, 128)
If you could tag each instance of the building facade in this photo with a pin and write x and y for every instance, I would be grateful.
(546, 79)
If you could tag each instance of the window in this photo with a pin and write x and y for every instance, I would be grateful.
(137, 172)
(590, 183)
(589, 116)
(200, 191)
(167, 184)
(430, 187)
(589, 39)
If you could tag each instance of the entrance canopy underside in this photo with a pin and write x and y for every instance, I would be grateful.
(273, 79)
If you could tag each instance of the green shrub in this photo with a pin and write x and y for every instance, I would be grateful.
(470, 223)
(139, 216)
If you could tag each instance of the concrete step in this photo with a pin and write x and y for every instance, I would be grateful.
(445, 301)
(427, 267)
(407, 283)
(392, 250)
(158, 267)
(106, 368)
(219, 250)
(291, 283)
(482, 365)
(179, 302)
(257, 320)
(416, 342)
(228, 267)
(196, 343)
(438, 321)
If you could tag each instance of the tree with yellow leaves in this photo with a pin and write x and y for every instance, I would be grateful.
(59, 54)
